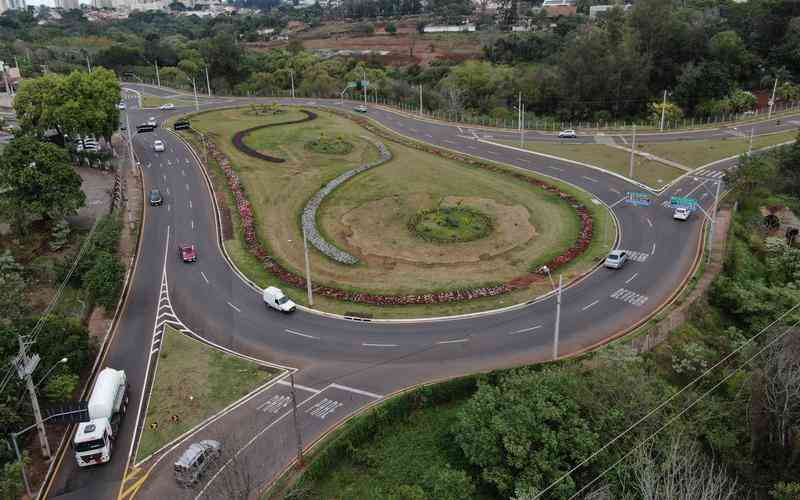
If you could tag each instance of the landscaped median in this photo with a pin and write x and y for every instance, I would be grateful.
(533, 222)
(192, 382)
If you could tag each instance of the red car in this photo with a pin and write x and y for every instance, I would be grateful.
(187, 253)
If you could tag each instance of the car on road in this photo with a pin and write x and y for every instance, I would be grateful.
(167, 106)
(191, 465)
(360, 109)
(681, 213)
(158, 146)
(152, 122)
(182, 124)
(122, 105)
(567, 134)
(123, 127)
(187, 252)
(145, 127)
(616, 259)
(276, 299)
(155, 197)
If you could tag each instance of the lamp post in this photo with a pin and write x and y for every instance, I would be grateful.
(556, 332)
(47, 374)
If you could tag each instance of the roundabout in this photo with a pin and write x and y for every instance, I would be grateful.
(455, 224)
(343, 363)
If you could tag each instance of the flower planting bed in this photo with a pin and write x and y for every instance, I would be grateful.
(245, 210)
(238, 138)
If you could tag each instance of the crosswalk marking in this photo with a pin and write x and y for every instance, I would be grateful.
(274, 404)
(630, 297)
(637, 256)
(324, 408)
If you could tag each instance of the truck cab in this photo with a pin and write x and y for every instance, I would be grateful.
(93, 442)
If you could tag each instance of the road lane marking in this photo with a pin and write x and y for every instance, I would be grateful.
(615, 191)
(324, 408)
(301, 387)
(190, 203)
(356, 391)
(649, 222)
(555, 168)
(456, 341)
(637, 256)
(630, 297)
(168, 207)
(590, 305)
(590, 179)
(236, 308)
(301, 334)
(204, 276)
(192, 223)
(153, 351)
(652, 252)
(183, 172)
(187, 187)
(526, 330)
(165, 177)
(631, 278)
(167, 191)
(379, 345)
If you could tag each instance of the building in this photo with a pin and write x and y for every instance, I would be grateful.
(12, 5)
(596, 10)
(456, 28)
(555, 8)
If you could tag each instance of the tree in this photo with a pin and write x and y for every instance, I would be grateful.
(104, 280)
(782, 395)
(224, 57)
(40, 182)
(12, 287)
(391, 28)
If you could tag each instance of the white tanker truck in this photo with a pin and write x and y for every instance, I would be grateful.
(107, 405)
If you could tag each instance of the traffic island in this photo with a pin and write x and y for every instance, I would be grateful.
(192, 382)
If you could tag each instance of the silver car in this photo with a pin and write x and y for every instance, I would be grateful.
(195, 460)
(616, 259)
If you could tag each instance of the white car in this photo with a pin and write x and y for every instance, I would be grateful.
(681, 213)
(616, 259)
(167, 106)
(122, 105)
(275, 298)
(152, 121)
(567, 134)
(158, 146)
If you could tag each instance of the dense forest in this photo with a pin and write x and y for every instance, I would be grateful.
(709, 56)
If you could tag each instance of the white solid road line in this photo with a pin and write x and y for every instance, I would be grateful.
(590, 305)
(301, 387)
(153, 351)
(649, 222)
(356, 391)
(379, 345)
(590, 179)
(456, 341)
(301, 334)
(632, 278)
(236, 308)
(526, 330)
(204, 276)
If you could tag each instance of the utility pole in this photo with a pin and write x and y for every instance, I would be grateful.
(208, 82)
(663, 110)
(750, 146)
(196, 102)
(25, 366)
(522, 131)
(633, 150)
(88, 64)
(558, 316)
(713, 219)
(519, 112)
(308, 269)
(291, 75)
(158, 77)
(296, 427)
(130, 139)
(772, 99)
(420, 99)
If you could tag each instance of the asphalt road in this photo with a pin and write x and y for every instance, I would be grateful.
(344, 364)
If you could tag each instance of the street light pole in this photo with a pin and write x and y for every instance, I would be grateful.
(22, 465)
(291, 75)
(420, 99)
(158, 76)
(208, 82)
(713, 219)
(308, 269)
(558, 316)
(663, 110)
(633, 149)
(196, 102)
(47, 374)
(772, 99)
(750, 146)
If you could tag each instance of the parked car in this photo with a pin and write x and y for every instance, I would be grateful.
(191, 465)
(567, 134)
(181, 124)
(360, 109)
(681, 213)
(187, 253)
(275, 298)
(158, 146)
(616, 259)
(167, 106)
(155, 197)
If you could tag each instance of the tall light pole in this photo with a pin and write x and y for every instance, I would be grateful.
(208, 82)
(420, 99)
(158, 77)
(47, 374)
(750, 145)
(558, 316)
(713, 218)
(308, 269)
(663, 110)
(130, 139)
(291, 75)
(196, 102)
(633, 153)
(772, 99)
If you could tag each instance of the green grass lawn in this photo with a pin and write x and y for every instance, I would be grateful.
(651, 173)
(193, 381)
(151, 101)
(402, 455)
(698, 153)
(288, 182)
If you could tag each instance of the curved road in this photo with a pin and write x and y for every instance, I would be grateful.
(343, 365)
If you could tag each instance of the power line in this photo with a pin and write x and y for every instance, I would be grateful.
(685, 410)
(666, 401)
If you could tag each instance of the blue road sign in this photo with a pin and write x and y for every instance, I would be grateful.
(677, 201)
(638, 199)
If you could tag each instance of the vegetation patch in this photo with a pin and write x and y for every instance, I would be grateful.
(450, 224)
(330, 145)
(192, 382)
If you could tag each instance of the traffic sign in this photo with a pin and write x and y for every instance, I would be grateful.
(638, 199)
(677, 201)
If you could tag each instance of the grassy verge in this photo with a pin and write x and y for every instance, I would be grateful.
(193, 381)
(651, 173)
(151, 101)
(698, 153)
(605, 234)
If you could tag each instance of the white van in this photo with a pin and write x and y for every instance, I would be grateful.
(276, 299)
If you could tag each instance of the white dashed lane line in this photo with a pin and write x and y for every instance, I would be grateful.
(653, 251)
(590, 305)
(190, 203)
(192, 223)
(187, 187)
(234, 307)
(631, 278)
(301, 334)
(525, 330)
(649, 222)
(555, 168)
(615, 191)
(379, 345)
(204, 276)
(590, 179)
(456, 341)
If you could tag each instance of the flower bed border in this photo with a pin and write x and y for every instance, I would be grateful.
(238, 138)
(255, 247)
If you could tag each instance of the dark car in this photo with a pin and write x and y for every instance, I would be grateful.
(181, 124)
(155, 197)
(187, 253)
(145, 127)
